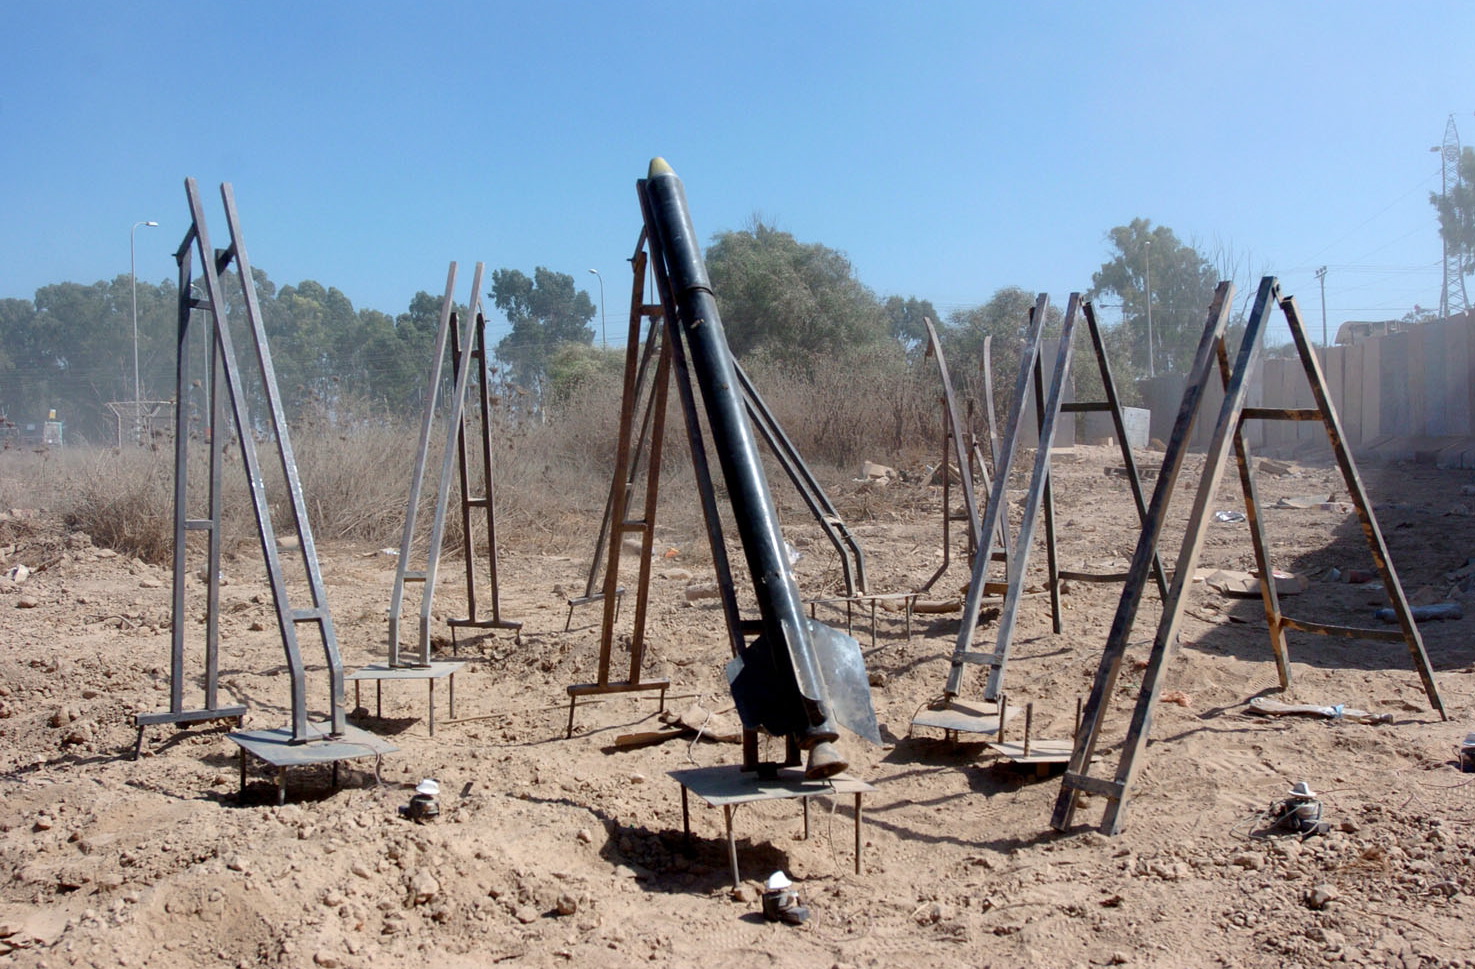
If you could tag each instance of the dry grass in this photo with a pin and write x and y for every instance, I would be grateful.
(355, 479)
(839, 412)
(123, 500)
(552, 473)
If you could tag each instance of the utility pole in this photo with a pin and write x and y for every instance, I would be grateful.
(1321, 277)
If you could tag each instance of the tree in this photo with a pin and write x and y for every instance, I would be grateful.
(403, 356)
(574, 365)
(301, 324)
(1005, 319)
(1457, 213)
(15, 319)
(15, 327)
(1183, 284)
(78, 353)
(793, 300)
(904, 321)
(546, 312)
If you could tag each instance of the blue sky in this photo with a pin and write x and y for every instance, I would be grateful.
(948, 148)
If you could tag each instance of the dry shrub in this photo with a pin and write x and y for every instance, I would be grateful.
(840, 412)
(356, 478)
(550, 475)
(553, 473)
(552, 470)
(39, 478)
(123, 499)
(354, 483)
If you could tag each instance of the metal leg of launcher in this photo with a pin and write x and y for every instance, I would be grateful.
(731, 845)
(857, 833)
(431, 681)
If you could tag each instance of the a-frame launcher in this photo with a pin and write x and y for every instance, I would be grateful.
(305, 740)
(652, 365)
(469, 367)
(1213, 353)
(952, 714)
(694, 357)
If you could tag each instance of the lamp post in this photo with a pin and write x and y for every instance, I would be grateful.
(1321, 277)
(603, 342)
(133, 288)
(1151, 367)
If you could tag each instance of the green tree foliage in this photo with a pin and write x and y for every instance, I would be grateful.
(302, 326)
(793, 300)
(1183, 284)
(575, 365)
(1004, 319)
(1457, 213)
(904, 321)
(332, 357)
(15, 318)
(70, 349)
(546, 312)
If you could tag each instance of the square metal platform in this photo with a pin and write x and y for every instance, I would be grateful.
(1042, 754)
(379, 672)
(961, 716)
(275, 747)
(727, 787)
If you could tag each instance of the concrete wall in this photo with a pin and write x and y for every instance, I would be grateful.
(1163, 395)
(1421, 404)
(1065, 424)
(1403, 396)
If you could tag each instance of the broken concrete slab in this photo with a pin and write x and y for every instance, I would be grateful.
(1246, 585)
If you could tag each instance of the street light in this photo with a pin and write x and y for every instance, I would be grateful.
(133, 287)
(1151, 368)
(603, 342)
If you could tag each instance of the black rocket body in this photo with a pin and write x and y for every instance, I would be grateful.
(799, 676)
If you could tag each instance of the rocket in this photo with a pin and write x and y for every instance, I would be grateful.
(798, 677)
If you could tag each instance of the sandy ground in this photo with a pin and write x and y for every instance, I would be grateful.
(553, 851)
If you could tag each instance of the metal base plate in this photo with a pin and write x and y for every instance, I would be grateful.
(189, 716)
(727, 787)
(596, 689)
(1040, 751)
(276, 748)
(731, 785)
(383, 671)
(965, 717)
(484, 623)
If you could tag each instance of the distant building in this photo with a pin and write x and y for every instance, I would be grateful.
(1354, 331)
